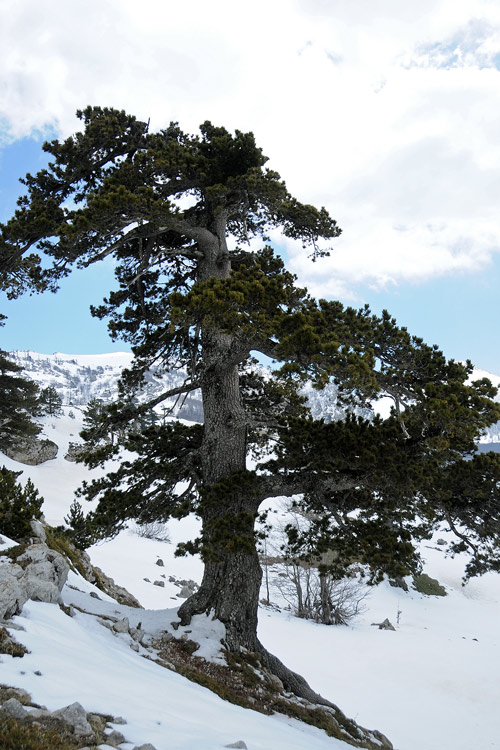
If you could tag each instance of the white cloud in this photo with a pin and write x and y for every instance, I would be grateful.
(387, 112)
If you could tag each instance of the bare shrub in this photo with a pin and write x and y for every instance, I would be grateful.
(316, 595)
(153, 530)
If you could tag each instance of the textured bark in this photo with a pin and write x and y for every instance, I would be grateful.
(230, 588)
(232, 576)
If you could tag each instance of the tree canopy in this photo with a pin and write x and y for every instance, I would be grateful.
(177, 212)
(19, 403)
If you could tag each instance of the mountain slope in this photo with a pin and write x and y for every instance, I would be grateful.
(433, 683)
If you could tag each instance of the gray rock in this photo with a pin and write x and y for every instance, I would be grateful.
(441, 541)
(385, 625)
(12, 592)
(185, 592)
(159, 583)
(39, 574)
(13, 708)
(39, 561)
(75, 450)
(76, 716)
(115, 737)
(160, 562)
(147, 746)
(399, 583)
(38, 530)
(121, 626)
(119, 720)
(42, 591)
(239, 744)
(137, 634)
(114, 590)
(31, 451)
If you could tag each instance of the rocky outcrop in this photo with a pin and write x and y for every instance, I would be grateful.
(84, 728)
(108, 585)
(35, 572)
(75, 450)
(31, 451)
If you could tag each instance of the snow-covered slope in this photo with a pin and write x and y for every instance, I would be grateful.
(78, 378)
(433, 683)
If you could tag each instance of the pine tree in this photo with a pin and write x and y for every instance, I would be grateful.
(176, 211)
(19, 403)
(50, 401)
(18, 505)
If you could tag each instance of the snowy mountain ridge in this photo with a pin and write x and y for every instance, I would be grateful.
(78, 378)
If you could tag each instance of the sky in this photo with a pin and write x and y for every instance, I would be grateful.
(387, 113)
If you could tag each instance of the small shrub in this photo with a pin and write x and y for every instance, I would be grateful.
(424, 584)
(153, 530)
(79, 527)
(26, 735)
(10, 646)
(59, 540)
(18, 505)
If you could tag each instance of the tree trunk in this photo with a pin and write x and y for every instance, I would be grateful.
(232, 576)
(231, 582)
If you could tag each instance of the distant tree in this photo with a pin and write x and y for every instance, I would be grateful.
(176, 212)
(19, 403)
(18, 505)
(50, 401)
(78, 528)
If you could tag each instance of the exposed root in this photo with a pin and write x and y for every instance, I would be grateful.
(258, 680)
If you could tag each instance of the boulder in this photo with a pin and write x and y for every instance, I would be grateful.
(31, 451)
(39, 573)
(74, 451)
(76, 716)
(385, 625)
(38, 530)
(114, 738)
(12, 592)
(120, 594)
(39, 561)
(12, 708)
(121, 626)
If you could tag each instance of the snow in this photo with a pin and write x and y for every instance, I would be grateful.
(80, 660)
(113, 359)
(433, 683)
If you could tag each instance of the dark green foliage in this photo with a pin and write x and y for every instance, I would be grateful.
(80, 531)
(19, 403)
(144, 488)
(18, 505)
(189, 297)
(424, 584)
(50, 401)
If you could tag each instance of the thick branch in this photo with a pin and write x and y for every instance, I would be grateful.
(180, 389)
